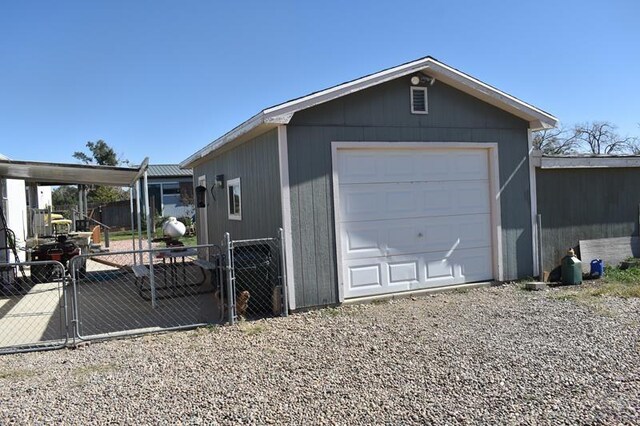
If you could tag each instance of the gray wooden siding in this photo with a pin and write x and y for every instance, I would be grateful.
(256, 163)
(383, 113)
(584, 204)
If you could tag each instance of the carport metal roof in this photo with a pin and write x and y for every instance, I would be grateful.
(71, 174)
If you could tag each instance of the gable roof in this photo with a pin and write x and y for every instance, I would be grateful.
(167, 170)
(282, 113)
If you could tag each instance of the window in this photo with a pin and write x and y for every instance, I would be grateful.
(170, 194)
(235, 199)
(155, 197)
(419, 104)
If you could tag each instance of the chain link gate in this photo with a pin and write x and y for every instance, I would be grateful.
(136, 292)
(256, 280)
(33, 306)
(113, 294)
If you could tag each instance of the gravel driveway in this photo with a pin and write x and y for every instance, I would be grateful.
(494, 355)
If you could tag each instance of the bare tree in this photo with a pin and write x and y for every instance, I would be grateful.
(600, 137)
(634, 146)
(555, 142)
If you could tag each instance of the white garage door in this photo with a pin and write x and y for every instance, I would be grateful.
(413, 218)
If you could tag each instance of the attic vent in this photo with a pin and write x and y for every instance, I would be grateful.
(419, 103)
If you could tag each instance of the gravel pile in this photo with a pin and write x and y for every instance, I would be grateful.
(497, 355)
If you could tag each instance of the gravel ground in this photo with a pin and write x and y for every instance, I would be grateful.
(497, 355)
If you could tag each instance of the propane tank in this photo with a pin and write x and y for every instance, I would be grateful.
(571, 269)
(173, 228)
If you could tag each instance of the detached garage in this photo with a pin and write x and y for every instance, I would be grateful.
(415, 177)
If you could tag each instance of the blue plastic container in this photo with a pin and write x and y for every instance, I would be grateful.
(597, 268)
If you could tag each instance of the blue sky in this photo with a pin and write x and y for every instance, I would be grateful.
(164, 78)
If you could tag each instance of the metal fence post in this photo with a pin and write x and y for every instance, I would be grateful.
(74, 302)
(540, 258)
(283, 265)
(231, 306)
(152, 281)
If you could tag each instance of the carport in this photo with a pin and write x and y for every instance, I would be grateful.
(33, 316)
(83, 175)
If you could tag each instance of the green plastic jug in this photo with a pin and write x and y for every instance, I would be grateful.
(571, 269)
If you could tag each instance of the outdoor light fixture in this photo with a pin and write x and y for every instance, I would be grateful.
(201, 192)
(422, 79)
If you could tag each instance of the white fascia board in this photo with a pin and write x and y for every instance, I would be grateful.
(238, 131)
(282, 114)
(588, 162)
(335, 92)
(537, 118)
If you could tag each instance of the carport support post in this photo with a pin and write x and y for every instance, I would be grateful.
(139, 218)
(133, 226)
(152, 282)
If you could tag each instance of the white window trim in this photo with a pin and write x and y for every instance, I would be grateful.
(426, 99)
(230, 183)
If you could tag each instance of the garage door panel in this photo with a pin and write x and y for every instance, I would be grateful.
(359, 203)
(447, 233)
(403, 272)
(406, 200)
(400, 201)
(439, 268)
(358, 166)
(363, 240)
(365, 276)
(412, 272)
(475, 265)
(380, 166)
(413, 218)
(473, 198)
(397, 168)
(471, 165)
(475, 231)
(451, 265)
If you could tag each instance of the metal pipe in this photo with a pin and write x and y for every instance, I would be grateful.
(80, 199)
(133, 224)
(139, 216)
(152, 282)
(86, 201)
(74, 306)
(283, 265)
(540, 259)
(64, 286)
(231, 306)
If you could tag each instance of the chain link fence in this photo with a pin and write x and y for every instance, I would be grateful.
(33, 306)
(45, 305)
(256, 271)
(135, 292)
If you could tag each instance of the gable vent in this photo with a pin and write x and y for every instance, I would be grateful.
(419, 103)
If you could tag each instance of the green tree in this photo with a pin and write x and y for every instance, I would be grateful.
(102, 154)
(64, 196)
